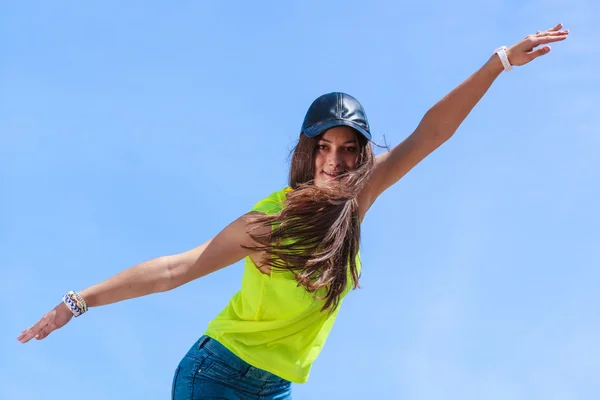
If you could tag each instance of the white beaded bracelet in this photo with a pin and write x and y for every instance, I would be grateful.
(72, 306)
(79, 301)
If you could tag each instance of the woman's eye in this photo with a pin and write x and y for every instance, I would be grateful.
(322, 147)
(351, 149)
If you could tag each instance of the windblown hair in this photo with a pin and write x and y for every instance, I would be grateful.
(317, 234)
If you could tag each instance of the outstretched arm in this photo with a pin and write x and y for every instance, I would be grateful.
(158, 275)
(168, 272)
(444, 118)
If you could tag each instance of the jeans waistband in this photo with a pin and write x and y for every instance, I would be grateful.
(233, 361)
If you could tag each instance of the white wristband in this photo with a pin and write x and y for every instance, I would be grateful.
(72, 306)
(503, 58)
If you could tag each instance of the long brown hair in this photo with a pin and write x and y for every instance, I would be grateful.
(317, 234)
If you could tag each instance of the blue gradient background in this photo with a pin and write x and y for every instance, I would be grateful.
(130, 130)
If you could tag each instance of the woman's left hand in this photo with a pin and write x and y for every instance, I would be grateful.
(525, 51)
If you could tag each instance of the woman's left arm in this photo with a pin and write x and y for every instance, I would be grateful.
(444, 118)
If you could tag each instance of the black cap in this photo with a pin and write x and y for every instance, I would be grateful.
(335, 109)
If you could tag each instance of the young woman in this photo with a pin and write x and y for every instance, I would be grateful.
(300, 245)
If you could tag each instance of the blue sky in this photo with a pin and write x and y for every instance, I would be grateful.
(138, 129)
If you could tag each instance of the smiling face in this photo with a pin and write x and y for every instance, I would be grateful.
(321, 159)
(337, 151)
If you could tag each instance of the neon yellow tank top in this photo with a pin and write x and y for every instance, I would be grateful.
(271, 323)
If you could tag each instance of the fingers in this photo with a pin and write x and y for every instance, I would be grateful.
(544, 39)
(539, 52)
(34, 331)
(23, 337)
(53, 320)
(539, 38)
(38, 331)
(29, 333)
(554, 33)
(557, 31)
(549, 37)
(532, 41)
(551, 30)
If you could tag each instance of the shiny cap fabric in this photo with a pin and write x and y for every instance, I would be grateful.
(335, 109)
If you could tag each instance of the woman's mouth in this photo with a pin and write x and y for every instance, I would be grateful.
(331, 175)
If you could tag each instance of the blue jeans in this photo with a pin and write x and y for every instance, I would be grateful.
(210, 371)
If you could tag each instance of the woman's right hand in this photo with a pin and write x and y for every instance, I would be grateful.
(56, 318)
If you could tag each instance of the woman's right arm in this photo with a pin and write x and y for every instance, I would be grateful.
(157, 275)
(168, 272)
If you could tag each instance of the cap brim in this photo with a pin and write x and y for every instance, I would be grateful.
(317, 129)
